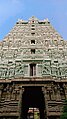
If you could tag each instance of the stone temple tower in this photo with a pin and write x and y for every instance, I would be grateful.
(33, 71)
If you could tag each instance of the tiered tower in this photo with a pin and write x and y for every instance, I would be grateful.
(33, 70)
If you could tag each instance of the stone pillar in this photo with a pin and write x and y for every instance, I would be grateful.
(57, 92)
(8, 92)
(13, 92)
(53, 93)
(0, 94)
(65, 89)
(1, 87)
(44, 89)
(50, 92)
(17, 97)
(20, 102)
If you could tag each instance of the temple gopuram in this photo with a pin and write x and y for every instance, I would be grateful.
(33, 71)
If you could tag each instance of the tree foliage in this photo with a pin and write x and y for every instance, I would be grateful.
(64, 115)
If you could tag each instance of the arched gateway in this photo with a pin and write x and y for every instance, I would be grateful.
(33, 71)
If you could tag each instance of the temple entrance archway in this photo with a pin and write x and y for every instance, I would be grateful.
(32, 98)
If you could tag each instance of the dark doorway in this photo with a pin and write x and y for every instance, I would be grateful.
(32, 98)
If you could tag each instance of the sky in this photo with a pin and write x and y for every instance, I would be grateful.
(12, 10)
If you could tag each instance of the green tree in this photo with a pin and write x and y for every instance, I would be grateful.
(64, 115)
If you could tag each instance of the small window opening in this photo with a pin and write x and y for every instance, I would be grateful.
(32, 21)
(32, 41)
(55, 61)
(32, 69)
(10, 62)
(32, 33)
(17, 22)
(32, 51)
(32, 28)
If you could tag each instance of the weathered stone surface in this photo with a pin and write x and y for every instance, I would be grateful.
(32, 54)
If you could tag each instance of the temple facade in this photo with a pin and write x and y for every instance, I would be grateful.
(33, 71)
